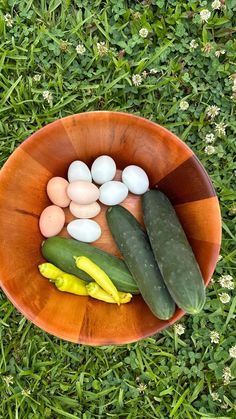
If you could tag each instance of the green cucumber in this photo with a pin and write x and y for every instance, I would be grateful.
(61, 251)
(173, 252)
(134, 245)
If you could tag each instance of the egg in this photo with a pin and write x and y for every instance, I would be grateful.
(56, 190)
(78, 170)
(135, 178)
(84, 230)
(113, 192)
(85, 211)
(83, 192)
(51, 221)
(103, 169)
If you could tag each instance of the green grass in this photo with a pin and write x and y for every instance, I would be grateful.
(168, 375)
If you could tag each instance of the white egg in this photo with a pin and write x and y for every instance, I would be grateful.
(113, 192)
(103, 169)
(135, 179)
(78, 170)
(84, 230)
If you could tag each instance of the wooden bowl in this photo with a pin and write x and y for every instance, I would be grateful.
(129, 139)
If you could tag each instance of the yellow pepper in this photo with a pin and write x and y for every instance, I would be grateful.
(86, 265)
(63, 280)
(72, 284)
(50, 271)
(95, 291)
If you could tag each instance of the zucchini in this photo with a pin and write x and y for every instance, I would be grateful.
(60, 251)
(173, 252)
(134, 245)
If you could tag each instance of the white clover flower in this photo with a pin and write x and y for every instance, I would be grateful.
(144, 74)
(137, 79)
(26, 392)
(215, 396)
(210, 138)
(37, 77)
(102, 48)
(209, 149)
(143, 32)
(64, 45)
(137, 15)
(234, 86)
(224, 297)
(179, 328)
(80, 49)
(220, 128)
(48, 97)
(193, 44)
(9, 20)
(205, 15)
(46, 93)
(142, 387)
(207, 47)
(184, 105)
(214, 337)
(226, 375)
(212, 111)
(8, 380)
(220, 257)
(232, 351)
(219, 52)
(226, 281)
(153, 71)
(232, 209)
(216, 5)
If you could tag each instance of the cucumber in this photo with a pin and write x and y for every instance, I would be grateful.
(61, 251)
(134, 245)
(173, 252)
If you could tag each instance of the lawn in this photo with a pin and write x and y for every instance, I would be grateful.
(172, 62)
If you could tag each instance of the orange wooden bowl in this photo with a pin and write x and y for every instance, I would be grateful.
(129, 139)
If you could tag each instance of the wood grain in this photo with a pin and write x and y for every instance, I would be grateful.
(129, 140)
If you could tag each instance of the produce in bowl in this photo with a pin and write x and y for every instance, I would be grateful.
(129, 140)
(160, 260)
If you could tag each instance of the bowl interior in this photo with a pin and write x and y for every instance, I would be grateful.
(170, 165)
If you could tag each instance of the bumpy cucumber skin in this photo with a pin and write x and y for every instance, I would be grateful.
(134, 245)
(173, 252)
(60, 252)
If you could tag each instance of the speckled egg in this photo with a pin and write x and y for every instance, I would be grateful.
(51, 221)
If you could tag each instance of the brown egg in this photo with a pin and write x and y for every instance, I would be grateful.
(83, 192)
(51, 221)
(56, 190)
(85, 211)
